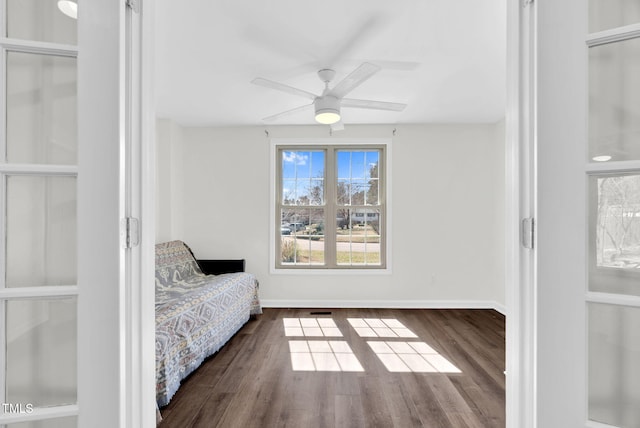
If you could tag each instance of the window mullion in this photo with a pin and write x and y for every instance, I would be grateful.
(330, 209)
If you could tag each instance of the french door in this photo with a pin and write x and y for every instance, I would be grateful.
(38, 184)
(613, 204)
(71, 351)
(587, 274)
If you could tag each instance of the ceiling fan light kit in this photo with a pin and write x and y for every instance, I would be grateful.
(327, 116)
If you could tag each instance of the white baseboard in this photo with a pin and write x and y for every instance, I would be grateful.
(500, 308)
(386, 304)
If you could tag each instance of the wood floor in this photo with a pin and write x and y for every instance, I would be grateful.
(251, 381)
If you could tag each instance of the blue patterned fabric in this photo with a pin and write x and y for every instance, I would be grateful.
(195, 314)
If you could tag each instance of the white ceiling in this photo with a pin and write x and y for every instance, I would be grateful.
(444, 58)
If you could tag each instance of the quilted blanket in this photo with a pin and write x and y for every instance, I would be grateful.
(196, 314)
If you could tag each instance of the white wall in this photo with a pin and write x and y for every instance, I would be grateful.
(169, 167)
(447, 231)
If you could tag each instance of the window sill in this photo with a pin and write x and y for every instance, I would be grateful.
(328, 271)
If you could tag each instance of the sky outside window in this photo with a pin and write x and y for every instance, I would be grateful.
(357, 174)
(303, 177)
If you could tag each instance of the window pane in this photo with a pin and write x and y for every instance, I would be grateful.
(343, 159)
(40, 20)
(614, 110)
(41, 109)
(302, 177)
(372, 192)
(41, 231)
(614, 372)
(344, 192)
(358, 240)
(614, 234)
(357, 180)
(41, 352)
(607, 14)
(357, 164)
(302, 236)
(289, 192)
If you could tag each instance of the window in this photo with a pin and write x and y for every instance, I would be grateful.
(330, 209)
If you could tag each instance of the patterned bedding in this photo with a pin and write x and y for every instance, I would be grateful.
(195, 314)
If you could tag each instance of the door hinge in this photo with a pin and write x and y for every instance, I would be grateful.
(130, 232)
(527, 232)
(134, 5)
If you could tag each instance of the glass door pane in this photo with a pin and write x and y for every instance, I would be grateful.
(614, 365)
(608, 14)
(614, 109)
(40, 20)
(614, 234)
(41, 352)
(41, 231)
(41, 109)
(67, 422)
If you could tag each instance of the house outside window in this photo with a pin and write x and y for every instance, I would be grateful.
(330, 206)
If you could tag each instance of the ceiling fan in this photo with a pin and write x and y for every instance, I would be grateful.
(327, 106)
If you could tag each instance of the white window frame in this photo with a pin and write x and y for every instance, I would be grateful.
(274, 220)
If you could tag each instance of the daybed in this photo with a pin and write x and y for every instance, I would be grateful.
(195, 313)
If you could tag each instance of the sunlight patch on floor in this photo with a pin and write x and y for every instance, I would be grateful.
(376, 327)
(322, 355)
(311, 327)
(416, 357)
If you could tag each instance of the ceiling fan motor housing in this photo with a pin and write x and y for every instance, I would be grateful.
(327, 109)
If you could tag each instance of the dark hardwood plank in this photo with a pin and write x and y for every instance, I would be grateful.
(426, 402)
(401, 403)
(250, 381)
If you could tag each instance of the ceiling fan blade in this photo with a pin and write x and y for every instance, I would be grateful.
(338, 126)
(360, 35)
(396, 65)
(282, 87)
(353, 80)
(378, 105)
(286, 113)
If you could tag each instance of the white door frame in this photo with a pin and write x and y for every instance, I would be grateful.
(535, 396)
(116, 319)
(520, 204)
(554, 123)
(100, 272)
(140, 204)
